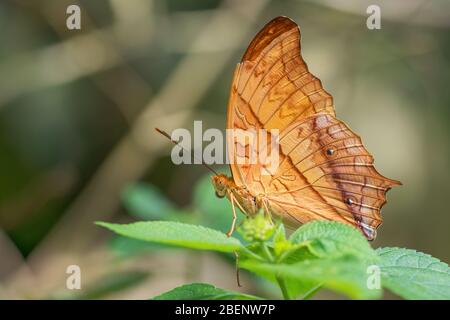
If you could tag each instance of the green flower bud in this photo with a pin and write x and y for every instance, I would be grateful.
(257, 228)
(282, 246)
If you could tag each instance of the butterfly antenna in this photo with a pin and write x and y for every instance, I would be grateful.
(177, 143)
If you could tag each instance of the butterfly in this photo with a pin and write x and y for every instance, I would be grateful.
(324, 171)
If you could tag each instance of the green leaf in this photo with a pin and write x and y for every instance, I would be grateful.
(414, 275)
(345, 274)
(280, 234)
(333, 239)
(279, 242)
(145, 201)
(203, 291)
(176, 233)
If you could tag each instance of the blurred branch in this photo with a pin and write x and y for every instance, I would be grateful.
(12, 260)
(51, 185)
(11, 256)
(55, 65)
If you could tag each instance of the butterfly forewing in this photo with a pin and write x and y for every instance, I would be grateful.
(324, 170)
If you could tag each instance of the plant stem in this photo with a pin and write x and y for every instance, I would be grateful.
(267, 252)
(284, 291)
(281, 282)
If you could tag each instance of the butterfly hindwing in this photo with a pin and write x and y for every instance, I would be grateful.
(324, 170)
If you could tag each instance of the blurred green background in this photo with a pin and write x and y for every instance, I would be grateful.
(78, 108)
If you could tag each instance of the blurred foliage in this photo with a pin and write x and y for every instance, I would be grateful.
(145, 202)
(106, 286)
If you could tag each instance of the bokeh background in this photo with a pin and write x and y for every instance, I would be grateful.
(78, 108)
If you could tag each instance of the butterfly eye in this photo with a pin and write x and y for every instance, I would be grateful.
(218, 195)
(330, 152)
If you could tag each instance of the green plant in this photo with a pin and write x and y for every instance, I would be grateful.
(320, 254)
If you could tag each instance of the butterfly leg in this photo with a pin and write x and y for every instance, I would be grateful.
(267, 211)
(233, 222)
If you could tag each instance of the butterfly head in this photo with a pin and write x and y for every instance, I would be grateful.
(221, 184)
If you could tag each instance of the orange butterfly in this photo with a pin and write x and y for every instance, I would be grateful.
(324, 171)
